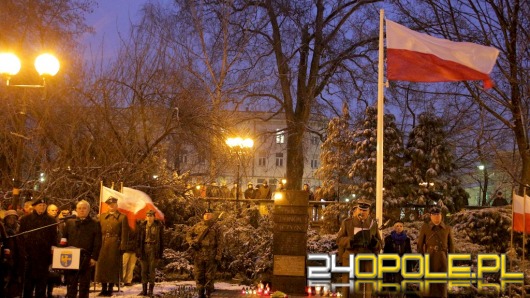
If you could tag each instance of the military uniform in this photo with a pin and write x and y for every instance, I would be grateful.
(84, 234)
(150, 249)
(358, 236)
(437, 241)
(114, 229)
(207, 252)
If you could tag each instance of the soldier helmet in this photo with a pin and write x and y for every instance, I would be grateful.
(362, 203)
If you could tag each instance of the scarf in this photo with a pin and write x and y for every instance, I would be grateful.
(398, 238)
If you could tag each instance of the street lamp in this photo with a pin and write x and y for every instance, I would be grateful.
(238, 146)
(45, 65)
(483, 186)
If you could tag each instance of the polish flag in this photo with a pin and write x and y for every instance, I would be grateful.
(131, 202)
(521, 213)
(417, 57)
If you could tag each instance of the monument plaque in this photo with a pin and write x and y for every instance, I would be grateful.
(290, 221)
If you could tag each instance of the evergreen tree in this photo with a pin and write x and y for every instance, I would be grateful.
(431, 165)
(363, 168)
(335, 157)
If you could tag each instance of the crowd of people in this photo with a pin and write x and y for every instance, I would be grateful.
(108, 247)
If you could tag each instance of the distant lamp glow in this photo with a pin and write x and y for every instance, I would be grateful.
(9, 64)
(278, 196)
(481, 167)
(47, 64)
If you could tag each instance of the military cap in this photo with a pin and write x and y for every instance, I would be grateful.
(434, 210)
(111, 200)
(151, 212)
(38, 201)
(10, 213)
(363, 204)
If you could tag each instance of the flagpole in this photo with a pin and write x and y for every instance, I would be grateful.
(100, 196)
(380, 115)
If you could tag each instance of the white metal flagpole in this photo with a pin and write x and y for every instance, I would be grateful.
(380, 115)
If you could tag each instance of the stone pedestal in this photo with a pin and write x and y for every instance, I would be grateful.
(289, 246)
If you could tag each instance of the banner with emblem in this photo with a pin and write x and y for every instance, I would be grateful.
(66, 258)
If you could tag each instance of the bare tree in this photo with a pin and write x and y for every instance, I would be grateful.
(503, 24)
(310, 51)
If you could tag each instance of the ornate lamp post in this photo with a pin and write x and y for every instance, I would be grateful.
(239, 146)
(45, 65)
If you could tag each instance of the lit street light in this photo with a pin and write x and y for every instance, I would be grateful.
(45, 65)
(239, 146)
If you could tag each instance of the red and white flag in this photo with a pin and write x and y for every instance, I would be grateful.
(131, 202)
(418, 57)
(521, 213)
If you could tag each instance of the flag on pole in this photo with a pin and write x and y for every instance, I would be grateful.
(521, 213)
(418, 57)
(131, 202)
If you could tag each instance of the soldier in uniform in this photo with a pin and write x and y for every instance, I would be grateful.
(205, 240)
(358, 234)
(436, 240)
(36, 248)
(150, 248)
(85, 233)
(114, 229)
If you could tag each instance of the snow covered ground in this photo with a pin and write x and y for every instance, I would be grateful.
(160, 289)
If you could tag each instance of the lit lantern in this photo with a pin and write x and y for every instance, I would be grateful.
(309, 291)
(317, 290)
(244, 291)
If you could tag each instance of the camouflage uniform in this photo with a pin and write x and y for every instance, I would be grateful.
(207, 253)
(150, 249)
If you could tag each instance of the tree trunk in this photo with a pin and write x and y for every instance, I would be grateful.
(295, 155)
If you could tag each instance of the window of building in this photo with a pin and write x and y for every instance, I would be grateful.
(315, 140)
(314, 164)
(262, 161)
(279, 159)
(183, 159)
(280, 137)
(201, 159)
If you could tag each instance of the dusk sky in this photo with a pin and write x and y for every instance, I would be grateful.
(109, 19)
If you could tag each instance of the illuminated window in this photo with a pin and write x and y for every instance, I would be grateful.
(280, 137)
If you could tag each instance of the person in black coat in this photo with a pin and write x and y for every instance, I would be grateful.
(83, 232)
(40, 234)
(397, 243)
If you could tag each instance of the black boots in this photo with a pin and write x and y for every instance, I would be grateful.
(103, 292)
(151, 287)
(106, 290)
(144, 290)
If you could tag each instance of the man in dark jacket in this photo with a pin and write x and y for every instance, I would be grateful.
(150, 250)
(129, 256)
(14, 264)
(436, 239)
(40, 235)
(83, 232)
(114, 231)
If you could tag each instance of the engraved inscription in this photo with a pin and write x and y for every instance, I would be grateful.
(289, 265)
